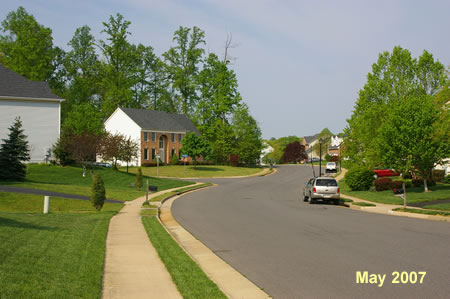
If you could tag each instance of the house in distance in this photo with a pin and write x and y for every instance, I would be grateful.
(157, 132)
(38, 108)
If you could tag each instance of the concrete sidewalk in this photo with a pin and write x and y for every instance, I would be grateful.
(133, 268)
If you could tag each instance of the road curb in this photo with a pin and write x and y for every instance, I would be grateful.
(232, 283)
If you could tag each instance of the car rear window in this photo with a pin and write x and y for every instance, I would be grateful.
(326, 183)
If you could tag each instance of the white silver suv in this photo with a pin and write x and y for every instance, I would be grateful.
(331, 167)
(321, 188)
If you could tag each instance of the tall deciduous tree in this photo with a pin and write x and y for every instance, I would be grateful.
(408, 140)
(120, 65)
(28, 47)
(248, 136)
(395, 77)
(325, 138)
(13, 152)
(182, 65)
(82, 67)
(219, 99)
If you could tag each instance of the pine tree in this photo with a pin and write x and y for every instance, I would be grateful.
(13, 152)
(98, 193)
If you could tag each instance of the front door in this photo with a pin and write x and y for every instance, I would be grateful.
(162, 150)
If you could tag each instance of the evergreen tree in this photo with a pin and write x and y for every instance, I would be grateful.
(13, 152)
(98, 193)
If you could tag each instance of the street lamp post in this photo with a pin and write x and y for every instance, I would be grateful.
(320, 156)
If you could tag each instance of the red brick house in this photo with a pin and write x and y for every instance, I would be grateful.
(157, 132)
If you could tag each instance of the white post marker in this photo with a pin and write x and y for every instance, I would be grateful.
(46, 204)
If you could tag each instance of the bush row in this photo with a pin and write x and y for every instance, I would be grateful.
(359, 179)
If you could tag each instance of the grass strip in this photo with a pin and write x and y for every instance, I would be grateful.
(364, 204)
(442, 206)
(418, 211)
(149, 212)
(190, 280)
(178, 191)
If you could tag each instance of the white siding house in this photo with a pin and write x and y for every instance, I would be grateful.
(157, 132)
(38, 108)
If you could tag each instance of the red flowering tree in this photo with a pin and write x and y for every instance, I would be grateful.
(293, 153)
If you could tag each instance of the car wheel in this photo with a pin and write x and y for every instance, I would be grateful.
(337, 202)
(312, 200)
(305, 198)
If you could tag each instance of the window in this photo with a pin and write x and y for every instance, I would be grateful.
(173, 152)
(145, 136)
(153, 154)
(161, 142)
(179, 138)
(173, 137)
(153, 136)
(145, 153)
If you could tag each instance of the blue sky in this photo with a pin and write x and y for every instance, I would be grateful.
(300, 64)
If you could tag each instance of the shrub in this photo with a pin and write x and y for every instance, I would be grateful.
(418, 182)
(383, 183)
(234, 159)
(446, 180)
(397, 185)
(174, 159)
(359, 179)
(438, 175)
(139, 179)
(98, 193)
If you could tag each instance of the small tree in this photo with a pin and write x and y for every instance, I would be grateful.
(195, 146)
(13, 152)
(174, 159)
(129, 150)
(139, 179)
(98, 193)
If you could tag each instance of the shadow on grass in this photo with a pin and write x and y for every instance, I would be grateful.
(433, 188)
(18, 224)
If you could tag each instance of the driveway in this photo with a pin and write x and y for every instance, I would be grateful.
(292, 249)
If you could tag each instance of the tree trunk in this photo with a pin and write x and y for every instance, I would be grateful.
(425, 184)
(404, 195)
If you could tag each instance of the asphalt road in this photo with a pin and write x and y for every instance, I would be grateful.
(292, 249)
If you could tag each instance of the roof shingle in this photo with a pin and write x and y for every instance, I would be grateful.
(15, 85)
(160, 120)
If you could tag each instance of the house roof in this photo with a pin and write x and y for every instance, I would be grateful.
(160, 120)
(310, 139)
(16, 86)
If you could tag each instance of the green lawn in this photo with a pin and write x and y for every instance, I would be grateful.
(442, 206)
(440, 191)
(58, 255)
(69, 179)
(190, 280)
(203, 171)
(420, 211)
(364, 204)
